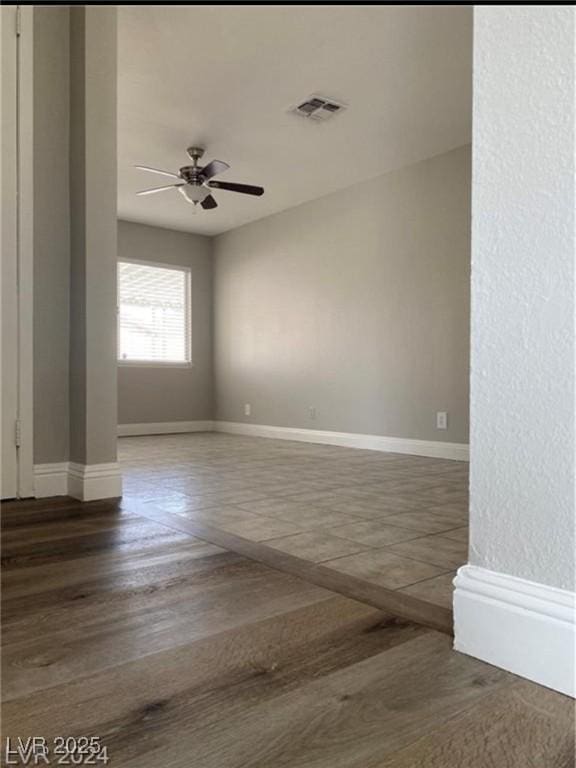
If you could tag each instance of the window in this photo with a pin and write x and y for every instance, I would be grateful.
(154, 323)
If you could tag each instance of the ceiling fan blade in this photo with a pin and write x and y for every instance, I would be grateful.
(213, 168)
(157, 170)
(159, 189)
(245, 189)
(209, 203)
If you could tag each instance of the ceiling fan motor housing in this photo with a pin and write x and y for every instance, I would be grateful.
(192, 174)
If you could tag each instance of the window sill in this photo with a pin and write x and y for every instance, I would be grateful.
(151, 364)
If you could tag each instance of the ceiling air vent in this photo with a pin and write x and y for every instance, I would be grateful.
(318, 108)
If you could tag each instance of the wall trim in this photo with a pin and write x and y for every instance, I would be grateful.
(86, 482)
(435, 449)
(50, 480)
(165, 428)
(518, 625)
(102, 481)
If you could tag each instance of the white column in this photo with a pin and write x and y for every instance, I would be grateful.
(514, 602)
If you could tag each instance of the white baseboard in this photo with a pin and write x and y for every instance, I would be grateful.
(436, 449)
(84, 482)
(164, 428)
(518, 625)
(51, 480)
(89, 482)
(101, 481)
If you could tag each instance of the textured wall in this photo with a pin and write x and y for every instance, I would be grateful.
(356, 304)
(146, 394)
(522, 395)
(51, 234)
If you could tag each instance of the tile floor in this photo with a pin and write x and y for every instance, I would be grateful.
(395, 520)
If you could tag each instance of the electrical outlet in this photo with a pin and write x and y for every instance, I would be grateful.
(247, 409)
(312, 412)
(442, 420)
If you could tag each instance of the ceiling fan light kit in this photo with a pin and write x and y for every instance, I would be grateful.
(193, 193)
(194, 181)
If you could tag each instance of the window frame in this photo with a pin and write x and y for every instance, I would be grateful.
(188, 299)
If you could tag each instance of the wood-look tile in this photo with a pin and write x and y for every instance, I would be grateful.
(385, 567)
(35, 580)
(58, 508)
(82, 642)
(337, 720)
(519, 725)
(135, 537)
(118, 596)
(183, 651)
(258, 660)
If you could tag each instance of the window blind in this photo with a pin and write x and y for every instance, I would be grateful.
(153, 313)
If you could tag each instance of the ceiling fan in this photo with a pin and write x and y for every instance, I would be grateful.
(194, 181)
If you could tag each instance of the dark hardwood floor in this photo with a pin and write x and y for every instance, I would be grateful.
(177, 652)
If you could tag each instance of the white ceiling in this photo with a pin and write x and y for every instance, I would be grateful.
(224, 76)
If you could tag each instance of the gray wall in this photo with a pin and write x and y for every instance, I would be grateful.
(51, 234)
(74, 234)
(148, 395)
(356, 304)
(93, 181)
